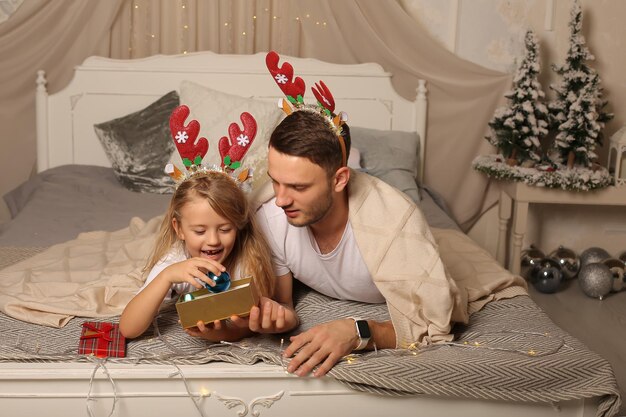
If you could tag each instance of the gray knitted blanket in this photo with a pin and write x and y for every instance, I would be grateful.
(510, 351)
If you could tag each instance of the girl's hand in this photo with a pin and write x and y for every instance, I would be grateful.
(191, 270)
(221, 330)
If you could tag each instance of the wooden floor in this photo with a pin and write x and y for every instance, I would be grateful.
(599, 324)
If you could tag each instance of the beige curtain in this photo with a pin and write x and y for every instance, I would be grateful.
(53, 35)
(462, 96)
(149, 27)
(56, 35)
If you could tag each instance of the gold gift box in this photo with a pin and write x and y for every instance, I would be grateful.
(208, 306)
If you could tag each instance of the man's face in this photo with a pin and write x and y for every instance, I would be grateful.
(302, 188)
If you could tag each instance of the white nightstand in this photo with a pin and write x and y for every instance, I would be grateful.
(518, 196)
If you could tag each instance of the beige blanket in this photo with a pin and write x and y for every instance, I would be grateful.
(94, 275)
(97, 274)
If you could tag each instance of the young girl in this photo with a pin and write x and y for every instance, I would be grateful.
(208, 227)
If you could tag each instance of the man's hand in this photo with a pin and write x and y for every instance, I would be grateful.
(323, 345)
(271, 317)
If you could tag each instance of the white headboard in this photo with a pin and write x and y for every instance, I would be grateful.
(103, 89)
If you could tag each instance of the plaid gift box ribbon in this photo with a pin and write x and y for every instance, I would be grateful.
(102, 339)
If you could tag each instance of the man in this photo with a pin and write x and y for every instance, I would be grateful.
(349, 236)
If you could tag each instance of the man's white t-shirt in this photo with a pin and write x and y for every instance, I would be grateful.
(341, 274)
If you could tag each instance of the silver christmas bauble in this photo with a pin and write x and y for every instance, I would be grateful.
(593, 255)
(568, 260)
(530, 258)
(617, 269)
(596, 280)
(547, 276)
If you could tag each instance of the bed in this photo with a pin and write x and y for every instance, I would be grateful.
(511, 359)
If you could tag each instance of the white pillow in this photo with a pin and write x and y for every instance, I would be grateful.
(215, 111)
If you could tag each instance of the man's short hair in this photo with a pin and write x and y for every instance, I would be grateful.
(308, 135)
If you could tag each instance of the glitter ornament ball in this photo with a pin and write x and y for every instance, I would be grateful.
(568, 261)
(530, 259)
(222, 282)
(596, 280)
(618, 271)
(593, 255)
(547, 276)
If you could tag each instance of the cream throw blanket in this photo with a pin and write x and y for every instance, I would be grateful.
(94, 275)
(97, 274)
(407, 264)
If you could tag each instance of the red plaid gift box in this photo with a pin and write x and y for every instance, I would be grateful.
(102, 339)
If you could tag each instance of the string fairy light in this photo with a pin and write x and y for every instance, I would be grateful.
(100, 363)
(184, 36)
(150, 32)
(415, 348)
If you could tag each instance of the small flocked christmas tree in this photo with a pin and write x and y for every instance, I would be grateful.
(577, 112)
(517, 129)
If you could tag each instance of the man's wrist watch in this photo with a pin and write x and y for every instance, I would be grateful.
(362, 331)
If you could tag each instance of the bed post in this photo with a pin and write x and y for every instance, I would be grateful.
(41, 103)
(421, 106)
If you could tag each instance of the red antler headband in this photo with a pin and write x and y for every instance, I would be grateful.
(294, 89)
(192, 151)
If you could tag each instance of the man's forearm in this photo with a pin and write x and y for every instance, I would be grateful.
(383, 335)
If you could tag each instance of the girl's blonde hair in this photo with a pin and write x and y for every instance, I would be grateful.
(250, 253)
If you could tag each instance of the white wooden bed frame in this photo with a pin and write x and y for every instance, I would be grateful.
(103, 89)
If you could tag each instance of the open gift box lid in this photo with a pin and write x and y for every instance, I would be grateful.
(208, 306)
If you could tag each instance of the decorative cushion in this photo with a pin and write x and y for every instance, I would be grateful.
(391, 156)
(215, 111)
(139, 146)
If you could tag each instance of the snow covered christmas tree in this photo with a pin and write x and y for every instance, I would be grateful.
(577, 112)
(517, 129)
(576, 116)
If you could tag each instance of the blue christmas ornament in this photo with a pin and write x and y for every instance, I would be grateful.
(547, 276)
(222, 282)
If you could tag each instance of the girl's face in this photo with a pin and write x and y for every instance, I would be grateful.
(205, 233)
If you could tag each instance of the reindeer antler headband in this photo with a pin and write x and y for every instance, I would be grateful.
(192, 151)
(294, 89)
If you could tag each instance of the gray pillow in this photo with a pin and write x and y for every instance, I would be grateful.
(139, 146)
(391, 156)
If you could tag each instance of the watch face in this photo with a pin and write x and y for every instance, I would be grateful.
(364, 329)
